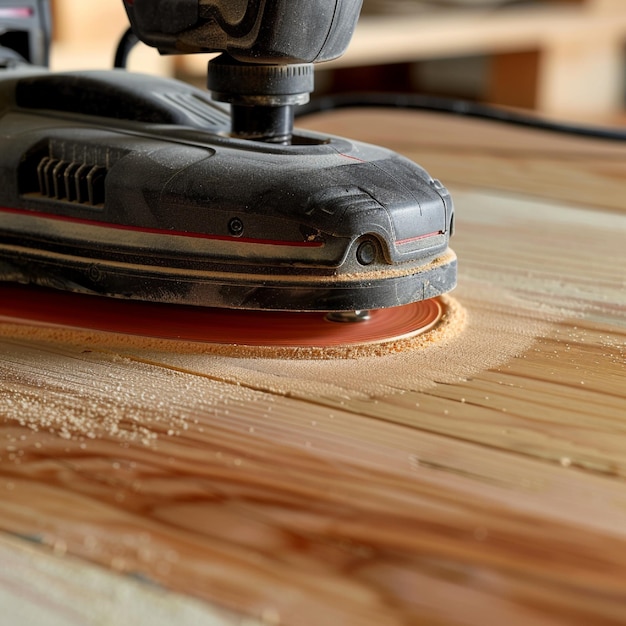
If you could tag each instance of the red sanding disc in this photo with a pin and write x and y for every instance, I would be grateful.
(34, 305)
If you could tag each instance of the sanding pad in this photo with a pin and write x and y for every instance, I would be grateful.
(36, 306)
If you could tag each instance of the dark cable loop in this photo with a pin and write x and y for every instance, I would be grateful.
(455, 107)
(419, 102)
(127, 42)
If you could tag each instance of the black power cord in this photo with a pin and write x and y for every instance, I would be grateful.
(127, 42)
(455, 107)
(419, 102)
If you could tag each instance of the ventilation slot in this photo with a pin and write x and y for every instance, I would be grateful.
(71, 181)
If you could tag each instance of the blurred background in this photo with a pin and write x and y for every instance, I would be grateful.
(562, 58)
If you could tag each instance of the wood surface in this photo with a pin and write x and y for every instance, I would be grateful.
(475, 480)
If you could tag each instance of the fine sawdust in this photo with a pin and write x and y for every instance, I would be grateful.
(488, 326)
(484, 326)
(84, 400)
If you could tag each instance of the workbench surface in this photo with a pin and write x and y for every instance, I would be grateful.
(478, 479)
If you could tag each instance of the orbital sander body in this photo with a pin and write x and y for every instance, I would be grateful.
(140, 187)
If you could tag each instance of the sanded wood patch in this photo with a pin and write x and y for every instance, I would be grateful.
(478, 479)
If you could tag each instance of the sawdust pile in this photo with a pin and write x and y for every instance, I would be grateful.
(484, 327)
(488, 329)
(58, 393)
(451, 323)
(136, 393)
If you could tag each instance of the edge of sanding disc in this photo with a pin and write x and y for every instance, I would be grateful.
(232, 332)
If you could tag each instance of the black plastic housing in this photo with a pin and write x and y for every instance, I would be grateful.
(253, 31)
(130, 186)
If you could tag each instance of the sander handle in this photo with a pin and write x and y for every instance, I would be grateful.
(251, 31)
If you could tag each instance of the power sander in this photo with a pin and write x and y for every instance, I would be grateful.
(134, 186)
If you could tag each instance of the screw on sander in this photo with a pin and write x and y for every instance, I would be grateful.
(348, 316)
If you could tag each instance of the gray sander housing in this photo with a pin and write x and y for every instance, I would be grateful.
(131, 186)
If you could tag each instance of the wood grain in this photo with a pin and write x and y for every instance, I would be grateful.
(477, 480)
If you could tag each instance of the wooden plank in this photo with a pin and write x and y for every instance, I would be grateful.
(514, 79)
(397, 38)
(581, 77)
(478, 479)
(40, 588)
(580, 48)
(605, 5)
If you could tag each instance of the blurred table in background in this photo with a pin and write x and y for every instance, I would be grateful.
(559, 57)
